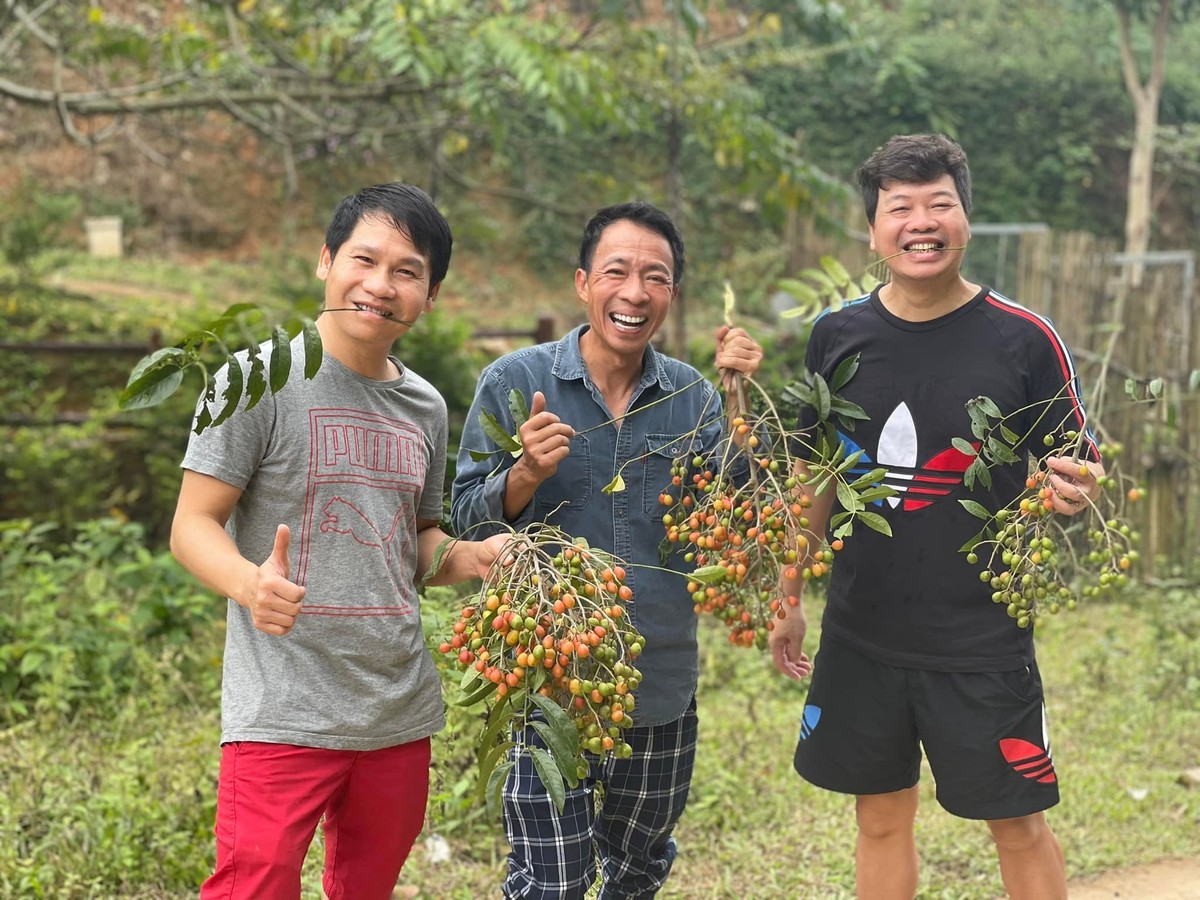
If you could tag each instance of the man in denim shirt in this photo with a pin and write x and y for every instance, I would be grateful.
(587, 394)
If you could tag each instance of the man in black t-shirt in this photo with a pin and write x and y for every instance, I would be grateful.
(914, 655)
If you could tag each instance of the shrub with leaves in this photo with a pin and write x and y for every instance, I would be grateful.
(80, 623)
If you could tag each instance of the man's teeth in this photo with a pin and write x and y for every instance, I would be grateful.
(628, 320)
(383, 313)
(917, 248)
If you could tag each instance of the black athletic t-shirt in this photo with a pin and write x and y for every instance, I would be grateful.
(912, 599)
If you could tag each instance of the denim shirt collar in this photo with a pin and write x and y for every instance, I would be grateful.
(569, 364)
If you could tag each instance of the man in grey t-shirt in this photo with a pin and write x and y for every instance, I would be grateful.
(315, 512)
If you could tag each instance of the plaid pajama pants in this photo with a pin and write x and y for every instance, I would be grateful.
(554, 855)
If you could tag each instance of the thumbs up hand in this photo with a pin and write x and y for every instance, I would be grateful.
(546, 439)
(275, 600)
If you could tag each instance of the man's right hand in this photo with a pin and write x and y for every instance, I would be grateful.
(274, 601)
(786, 641)
(546, 440)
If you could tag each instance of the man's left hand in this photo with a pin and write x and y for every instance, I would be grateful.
(1075, 482)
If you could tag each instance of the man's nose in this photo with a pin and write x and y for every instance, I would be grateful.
(379, 282)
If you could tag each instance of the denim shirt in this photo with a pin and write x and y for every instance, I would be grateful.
(626, 523)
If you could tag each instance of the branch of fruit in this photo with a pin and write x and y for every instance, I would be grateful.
(743, 535)
(1024, 542)
(546, 645)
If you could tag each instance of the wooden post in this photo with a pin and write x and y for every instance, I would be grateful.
(546, 330)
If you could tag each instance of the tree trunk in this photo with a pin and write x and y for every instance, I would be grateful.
(1145, 97)
(675, 201)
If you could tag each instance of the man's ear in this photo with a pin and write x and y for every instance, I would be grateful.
(432, 296)
(324, 262)
(871, 232)
(581, 285)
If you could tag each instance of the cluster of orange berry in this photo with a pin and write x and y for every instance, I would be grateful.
(742, 538)
(1033, 565)
(553, 624)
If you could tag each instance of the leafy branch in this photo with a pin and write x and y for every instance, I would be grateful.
(158, 375)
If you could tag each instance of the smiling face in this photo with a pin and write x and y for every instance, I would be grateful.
(925, 225)
(376, 288)
(627, 292)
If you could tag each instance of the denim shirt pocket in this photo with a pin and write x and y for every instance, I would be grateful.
(662, 452)
(570, 488)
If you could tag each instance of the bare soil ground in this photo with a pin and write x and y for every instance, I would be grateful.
(1171, 879)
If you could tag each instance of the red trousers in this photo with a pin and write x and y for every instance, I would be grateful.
(271, 797)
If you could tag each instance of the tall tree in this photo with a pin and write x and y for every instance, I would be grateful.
(1146, 95)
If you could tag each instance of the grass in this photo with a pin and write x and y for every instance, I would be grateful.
(754, 829)
(122, 807)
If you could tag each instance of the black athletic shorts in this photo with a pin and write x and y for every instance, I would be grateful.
(985, 734)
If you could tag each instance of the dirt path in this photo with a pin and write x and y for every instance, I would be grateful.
(1171, 879)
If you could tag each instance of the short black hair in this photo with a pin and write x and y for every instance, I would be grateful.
(913, 159)
(647, 215)
(409, 210)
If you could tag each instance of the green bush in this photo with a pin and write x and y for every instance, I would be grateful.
(36, 220)
(86, 624)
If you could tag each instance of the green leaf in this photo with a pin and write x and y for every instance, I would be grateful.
(847, 410)
(847, 497)
(1155, 387)
(439, 554)
(845, 529)
(493, 429)
(837, 272)
(615, 486)
(824, 282)
(233, 391)
(499, 719)
(1000, 451)
(518, 408)
(984, 474)
(978, 510)
(563, 748)
(478, 455)
(875, 522)
(822, 396)
(281, 359)
(155, 378)
(203, 418)
(971, 544)
(849, 461)
(551, 778)
(964, 447)
(876, 493)
(844, 372)
(708, 574)
(496, 754)
(990, 408)
(554, 714)
(1010, 436)
(256, 383)
(313, 351)
(1131, 388)
(871, 478)
(495, 784)
(480, 692)
(979, 420)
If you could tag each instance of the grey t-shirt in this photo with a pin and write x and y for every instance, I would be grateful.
(349, 464)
